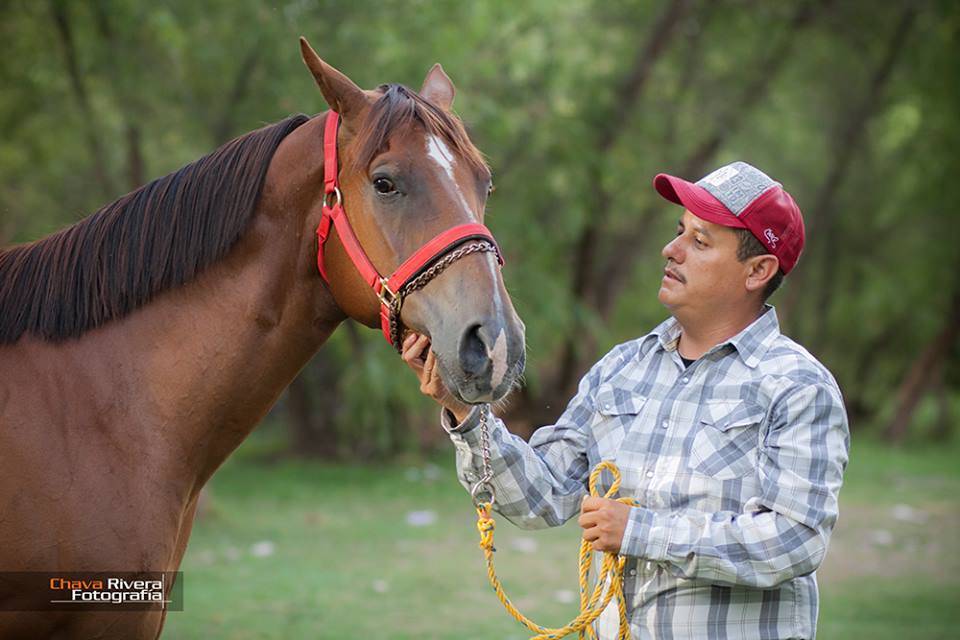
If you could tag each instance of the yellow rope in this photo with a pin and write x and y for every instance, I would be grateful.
(591, 604)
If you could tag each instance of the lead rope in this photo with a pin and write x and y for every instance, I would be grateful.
(592, 603)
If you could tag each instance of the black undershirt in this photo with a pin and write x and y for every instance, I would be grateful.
(686, 361)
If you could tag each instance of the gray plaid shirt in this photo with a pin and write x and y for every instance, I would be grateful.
(736, 460)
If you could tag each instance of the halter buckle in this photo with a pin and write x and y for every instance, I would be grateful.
(337, 198)
(387, 297)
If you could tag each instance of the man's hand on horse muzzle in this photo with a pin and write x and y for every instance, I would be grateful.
(421, 359)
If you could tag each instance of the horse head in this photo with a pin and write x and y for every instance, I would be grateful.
(408, 172)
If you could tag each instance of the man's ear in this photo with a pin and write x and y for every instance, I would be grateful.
(760, 269)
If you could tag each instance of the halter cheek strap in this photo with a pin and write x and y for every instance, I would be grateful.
(416, 271)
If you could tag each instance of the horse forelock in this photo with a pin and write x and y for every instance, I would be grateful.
(399, 108)
(155, 238)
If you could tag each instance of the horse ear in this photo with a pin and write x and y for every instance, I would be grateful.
(343, 96)
(438, 88)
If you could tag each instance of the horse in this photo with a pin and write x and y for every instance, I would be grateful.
(141, 345)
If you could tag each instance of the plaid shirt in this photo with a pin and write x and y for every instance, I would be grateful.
(737, 461)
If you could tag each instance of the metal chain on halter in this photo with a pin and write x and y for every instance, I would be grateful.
(483, 484)
(421, 281)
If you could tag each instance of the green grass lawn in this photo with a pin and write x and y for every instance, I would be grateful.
(298, 549)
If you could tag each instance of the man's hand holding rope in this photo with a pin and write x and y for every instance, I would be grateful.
(603, 522)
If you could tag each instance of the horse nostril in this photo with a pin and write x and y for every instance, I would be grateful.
(474, 355)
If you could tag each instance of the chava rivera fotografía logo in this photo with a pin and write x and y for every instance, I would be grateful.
(91, 591)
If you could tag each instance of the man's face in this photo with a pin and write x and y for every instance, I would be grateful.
(702, 274)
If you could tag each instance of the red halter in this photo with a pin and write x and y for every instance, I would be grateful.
(416, 271)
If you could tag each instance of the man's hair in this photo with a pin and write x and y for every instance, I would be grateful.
(748, 246)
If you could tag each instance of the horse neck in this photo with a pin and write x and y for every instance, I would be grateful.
(274, 312)
(214, 355)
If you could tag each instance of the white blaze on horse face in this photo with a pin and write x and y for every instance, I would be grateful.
(439, 152)
(499, 356)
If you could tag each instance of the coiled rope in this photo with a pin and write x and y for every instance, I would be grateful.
(592, 603)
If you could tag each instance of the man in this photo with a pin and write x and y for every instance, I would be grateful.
(731, 437)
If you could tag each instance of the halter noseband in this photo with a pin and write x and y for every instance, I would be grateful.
(424, 265)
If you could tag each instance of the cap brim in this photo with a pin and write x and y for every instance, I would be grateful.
(696, 199)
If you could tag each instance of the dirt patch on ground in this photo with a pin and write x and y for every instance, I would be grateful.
(890, 541)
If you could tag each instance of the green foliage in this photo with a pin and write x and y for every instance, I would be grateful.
(538, 84)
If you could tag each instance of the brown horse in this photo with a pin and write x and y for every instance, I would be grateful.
(141, 345)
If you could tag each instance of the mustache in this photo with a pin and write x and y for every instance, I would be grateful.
(674, 273)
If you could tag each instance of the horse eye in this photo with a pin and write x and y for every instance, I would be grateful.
(491, 189)
(384, 186)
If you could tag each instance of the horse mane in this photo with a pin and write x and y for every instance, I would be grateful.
(155, 238)
(399, 107)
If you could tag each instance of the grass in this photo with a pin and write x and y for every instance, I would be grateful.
(297, 549)
(893, 569)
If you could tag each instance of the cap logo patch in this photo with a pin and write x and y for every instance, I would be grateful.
(720, 176)
(736, 185)
(771, 238)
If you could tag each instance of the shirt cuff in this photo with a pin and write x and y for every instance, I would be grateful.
(646, 535)
(449, 422)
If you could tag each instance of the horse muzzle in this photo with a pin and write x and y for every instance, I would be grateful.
(490, 358)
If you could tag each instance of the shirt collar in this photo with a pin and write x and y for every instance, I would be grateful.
(751, 344)
(668, 334)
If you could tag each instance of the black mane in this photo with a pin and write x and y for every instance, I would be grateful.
(152, 239)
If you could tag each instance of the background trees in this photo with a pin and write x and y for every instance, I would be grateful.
(852, 105)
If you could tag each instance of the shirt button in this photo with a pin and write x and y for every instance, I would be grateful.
(686, 379)
(632, 572)
(664, 424)
(649, 474)
(607, 407)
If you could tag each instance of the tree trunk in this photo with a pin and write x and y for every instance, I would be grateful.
(311, 403)
(238, 91)
(943, 430)
(822, 217)
(136, 171)
(926, 367)
(133, 132)
(691, 66)
(858, 410)
(628, 95)
(64, 30)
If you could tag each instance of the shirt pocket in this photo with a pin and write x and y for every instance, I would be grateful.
(614, 401)
(725, 444)
(617, 412)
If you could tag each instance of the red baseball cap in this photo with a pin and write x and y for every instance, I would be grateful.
(741, 196)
